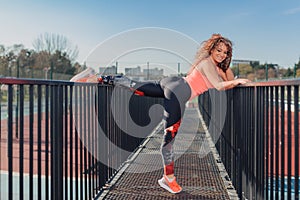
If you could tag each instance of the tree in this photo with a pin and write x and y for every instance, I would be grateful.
(298, 64)
(289, 73)
(242, 70)
(254, 64)
(251, 76)
(55, 53)
(51, 42)
(62, 63)
(24, 62)
(8, 59)
(298, 73)
(271, 73)
(260, 74)
(17, 61)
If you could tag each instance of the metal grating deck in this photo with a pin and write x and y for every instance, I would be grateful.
(199, 176)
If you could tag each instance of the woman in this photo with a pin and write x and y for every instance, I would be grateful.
(210, 70)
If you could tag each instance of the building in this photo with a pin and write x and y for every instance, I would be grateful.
(153, 74)
(133, 71)
(108, 70)
(140, 74)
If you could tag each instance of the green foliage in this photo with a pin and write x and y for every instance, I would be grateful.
(298, 73)
(53, 57)
(26, 63)
(289, 72)
(254, 64)
(256, 71)
(298, 65)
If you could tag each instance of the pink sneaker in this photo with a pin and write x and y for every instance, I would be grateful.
(82, 76)
(172, 187)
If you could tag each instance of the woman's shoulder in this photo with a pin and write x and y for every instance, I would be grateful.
(203, 63)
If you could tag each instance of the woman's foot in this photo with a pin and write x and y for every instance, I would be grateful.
(172, 186)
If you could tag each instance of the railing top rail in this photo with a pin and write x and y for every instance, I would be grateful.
(25, 81)
(13, 80)
(287, 82)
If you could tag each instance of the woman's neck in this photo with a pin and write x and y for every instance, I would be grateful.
(213, 61)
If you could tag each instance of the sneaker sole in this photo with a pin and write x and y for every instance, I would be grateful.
(160, 182)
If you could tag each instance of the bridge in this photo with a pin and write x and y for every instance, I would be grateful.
(61, 140)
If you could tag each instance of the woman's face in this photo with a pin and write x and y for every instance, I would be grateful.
(219, 53)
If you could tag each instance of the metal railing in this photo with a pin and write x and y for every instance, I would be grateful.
(259, 141)
(61, 140)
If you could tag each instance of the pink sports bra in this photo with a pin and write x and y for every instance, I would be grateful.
(198, 83)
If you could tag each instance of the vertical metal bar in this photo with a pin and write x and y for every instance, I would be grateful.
(248, 161)
(52, 130)
(47, 142)
(108, 133)
(84, 139)
(263, 183)
(76, 143)
(255, 133)
(17, 113)
(66, 140)
(253, 124)
(244, 151)
(233, 141)
(102, 120)
(282, 110)
(243, 144)
(277, 143)
(88, 144)
(39, 132)
(81, 139)
(251, 135)
(262, 139)
(260, 145)
(59, 143)
(112, 136)
(240, 184)
(257, 96)
(31, 138)
(112, 133)
(267, 140)
(289, 144)
(238, 146)
(71, 141)
(271, 136)
(117, 133)
(296, 129)
(10, 141)
(21, 143)
(228, 132)
(93, 107)
(96, 131)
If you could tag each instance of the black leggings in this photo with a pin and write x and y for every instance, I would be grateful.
(176, 92)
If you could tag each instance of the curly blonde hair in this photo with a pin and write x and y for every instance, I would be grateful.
(207, 46)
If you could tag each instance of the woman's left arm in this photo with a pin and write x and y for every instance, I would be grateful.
(226, 76)
(229, 74)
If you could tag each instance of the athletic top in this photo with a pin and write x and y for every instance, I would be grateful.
(197, 82)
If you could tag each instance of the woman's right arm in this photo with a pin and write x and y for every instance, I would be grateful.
(213, 77)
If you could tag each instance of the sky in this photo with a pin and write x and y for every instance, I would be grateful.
(264, 30)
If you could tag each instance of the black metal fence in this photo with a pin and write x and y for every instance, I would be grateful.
(61, 140)
(259, 140)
